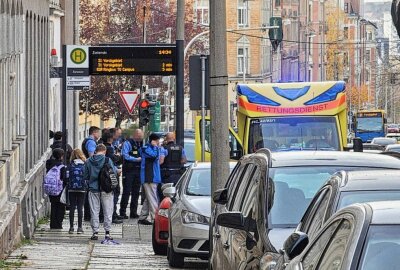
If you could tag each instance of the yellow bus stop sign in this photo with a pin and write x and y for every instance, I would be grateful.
(78, 56)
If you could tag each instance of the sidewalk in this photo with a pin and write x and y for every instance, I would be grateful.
(59, 250)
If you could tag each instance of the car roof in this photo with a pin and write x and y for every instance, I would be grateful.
(371, 180)
(387, 212)
(392, 134)
(207, 165)
(333, 158)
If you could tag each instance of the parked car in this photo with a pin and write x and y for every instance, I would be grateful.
(393, 128)
(267, 194)
(345, 188)
(362, 236)
(394, 135)
(189, 215)
(393, 148)
(383, 141)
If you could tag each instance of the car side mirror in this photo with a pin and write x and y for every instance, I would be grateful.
(358, 145)
(233, 220)
(221, 196)
(170, 192)
(295, 244)
(165, 186)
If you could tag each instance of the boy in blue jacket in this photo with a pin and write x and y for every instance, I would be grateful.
(150, 176)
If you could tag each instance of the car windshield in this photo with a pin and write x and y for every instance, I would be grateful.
(368, 124)
(294, 189)
(350, 197)
(189, 150)
(199, 183)
(382, 248)
(294, 133)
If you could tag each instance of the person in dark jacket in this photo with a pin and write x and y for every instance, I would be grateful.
(97, 197)
(117, 160)
(57, 143)
(57, 210)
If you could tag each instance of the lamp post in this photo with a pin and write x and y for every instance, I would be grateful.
(309, 35)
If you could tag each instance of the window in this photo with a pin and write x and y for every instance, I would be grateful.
(346, 59)
(243, 55)
(251, 196)
(369, 36)
(242, 187)
(243, 13)
(318, 218)
(367, 75)
(346, 32)
(310, 260)
(234, 182)
(202, 11)
(368, 55)
(266, 56)
(334, 254)
(207, 141)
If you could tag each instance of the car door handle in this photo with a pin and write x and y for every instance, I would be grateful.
(217, 235)
(226, 245)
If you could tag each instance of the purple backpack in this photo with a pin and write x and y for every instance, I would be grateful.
(52, 184)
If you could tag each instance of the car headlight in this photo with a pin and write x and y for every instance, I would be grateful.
(163, 212)
(189, 217)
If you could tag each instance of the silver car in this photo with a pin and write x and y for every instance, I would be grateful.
(189, 215)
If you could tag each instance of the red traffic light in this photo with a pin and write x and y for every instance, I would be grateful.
(144, 104)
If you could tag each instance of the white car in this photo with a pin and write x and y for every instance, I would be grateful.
(189, 215)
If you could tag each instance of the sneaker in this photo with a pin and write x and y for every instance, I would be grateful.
(144, 222)
(71, 230)
(108, 237)
(117, 221)
(95, 237)
(124, 216)
(80, 230)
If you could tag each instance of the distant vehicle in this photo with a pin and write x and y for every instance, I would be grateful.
(393, 148)
(189, 215)
(370, 124)
(189, 133)
(189, 149)
(362, 236)
(393, 128)
(267, 194)
(394, 135)
(384, 141)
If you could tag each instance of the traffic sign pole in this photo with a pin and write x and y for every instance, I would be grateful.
(64, 102)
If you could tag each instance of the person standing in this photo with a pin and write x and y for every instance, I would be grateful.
(131, 173)
(89, 147)
(175, 159)
(97, 197)
(77, 187)
(55, 173)
(150, 176)
(57, 143)
(117, 138)
(116, 159)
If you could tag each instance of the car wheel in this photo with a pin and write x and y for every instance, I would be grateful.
(174, 259)
(157, 248)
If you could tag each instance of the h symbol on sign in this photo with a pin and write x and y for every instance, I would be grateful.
(78, 56)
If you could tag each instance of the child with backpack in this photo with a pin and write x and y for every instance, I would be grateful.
(101, 175)
(77, 187)
(53, 186)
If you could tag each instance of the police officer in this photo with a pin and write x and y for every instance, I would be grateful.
(131, 173)
(175, 159)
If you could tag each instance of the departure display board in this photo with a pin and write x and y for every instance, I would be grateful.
(133, 60)
(369, 114)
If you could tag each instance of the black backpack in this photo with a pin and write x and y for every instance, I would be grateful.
(107, 178)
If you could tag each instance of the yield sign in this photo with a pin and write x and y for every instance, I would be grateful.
(130, 99)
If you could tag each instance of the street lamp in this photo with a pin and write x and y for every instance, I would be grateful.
(310, 35)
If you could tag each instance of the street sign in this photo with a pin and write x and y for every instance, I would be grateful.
(130, 99)
(195, 81)
(77, 68)
(133, 60)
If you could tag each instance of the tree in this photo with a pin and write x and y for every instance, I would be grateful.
(358, 97)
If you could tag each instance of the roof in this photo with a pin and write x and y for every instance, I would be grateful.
(385, 212)
(372, 180)
(207, 165)
(334, 158)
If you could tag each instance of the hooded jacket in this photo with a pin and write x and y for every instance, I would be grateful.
(92, 170)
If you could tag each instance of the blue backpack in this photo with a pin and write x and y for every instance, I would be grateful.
(76, 181)
(52, 184)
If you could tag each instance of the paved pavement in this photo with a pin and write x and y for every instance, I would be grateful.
(59, 250)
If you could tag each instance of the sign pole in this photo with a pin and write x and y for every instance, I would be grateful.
(203, 106)
(64, 102)
(180, 95)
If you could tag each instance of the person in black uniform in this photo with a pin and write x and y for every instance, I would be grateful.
(175, 159)
(131, 173)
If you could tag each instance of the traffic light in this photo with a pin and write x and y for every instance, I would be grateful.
(144, 113)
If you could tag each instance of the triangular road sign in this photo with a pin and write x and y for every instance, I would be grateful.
(130, 99)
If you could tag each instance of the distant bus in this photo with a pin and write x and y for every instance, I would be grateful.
(370, 124)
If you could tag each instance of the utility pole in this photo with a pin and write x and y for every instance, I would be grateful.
(219, 95)
(180, 95)
(75, 134)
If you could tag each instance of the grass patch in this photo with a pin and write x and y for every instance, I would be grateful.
(10, 265)
(43, 221)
